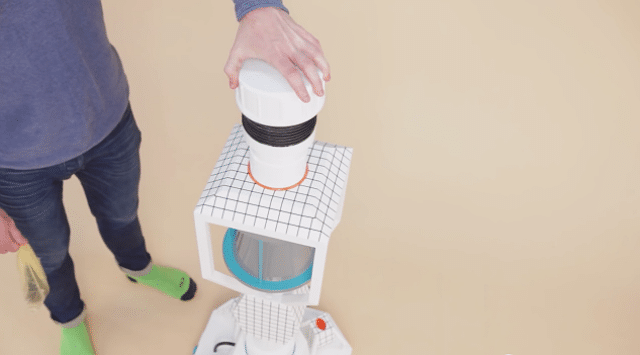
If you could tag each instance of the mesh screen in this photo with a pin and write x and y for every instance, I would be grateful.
(271, 259)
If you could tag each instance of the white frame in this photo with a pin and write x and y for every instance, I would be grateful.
(209, 272)
(331, 164)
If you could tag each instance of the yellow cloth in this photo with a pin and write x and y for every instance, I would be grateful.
(34, 280)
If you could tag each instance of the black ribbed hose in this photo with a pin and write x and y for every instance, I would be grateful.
(279, 136)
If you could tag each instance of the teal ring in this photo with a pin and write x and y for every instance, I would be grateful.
(252, 281)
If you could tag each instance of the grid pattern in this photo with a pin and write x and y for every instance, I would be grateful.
(310, 210)
(312, 333)
(263, 319)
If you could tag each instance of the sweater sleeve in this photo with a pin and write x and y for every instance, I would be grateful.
(245, 6)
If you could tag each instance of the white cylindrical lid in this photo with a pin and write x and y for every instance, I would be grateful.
(265, 96)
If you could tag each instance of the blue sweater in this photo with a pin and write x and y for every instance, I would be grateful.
(62, 86)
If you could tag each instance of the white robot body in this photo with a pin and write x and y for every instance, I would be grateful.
(280, 193)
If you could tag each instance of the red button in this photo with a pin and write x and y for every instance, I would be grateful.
(321, 324)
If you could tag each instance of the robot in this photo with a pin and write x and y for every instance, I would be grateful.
(279, 194)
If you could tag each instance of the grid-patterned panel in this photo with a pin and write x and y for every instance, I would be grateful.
(310, 210)
(268, 320)
(313, 333)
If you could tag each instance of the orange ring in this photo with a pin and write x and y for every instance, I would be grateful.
(306, 171)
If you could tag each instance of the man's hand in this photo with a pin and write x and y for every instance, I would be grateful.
(271, 35)
(10, 237)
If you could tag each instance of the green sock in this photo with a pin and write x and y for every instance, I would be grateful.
(172, 282)
(76, 341)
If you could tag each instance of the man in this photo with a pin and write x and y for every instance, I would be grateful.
(64, 111)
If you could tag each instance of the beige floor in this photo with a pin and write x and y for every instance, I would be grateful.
(494, 200)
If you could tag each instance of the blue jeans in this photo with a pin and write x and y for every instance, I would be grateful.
(110, 175)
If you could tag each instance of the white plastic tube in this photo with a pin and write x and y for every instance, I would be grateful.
(265, 97)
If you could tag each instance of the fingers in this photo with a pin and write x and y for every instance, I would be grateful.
(10, 247)
(310, 70)
(232, 69)
(271, 35)
(313, 50)
(10, 229)
(306, 53)
(10, 237)
(288, 69)
(316, 57)
(323, 65)
(7, 246)
(16, 236)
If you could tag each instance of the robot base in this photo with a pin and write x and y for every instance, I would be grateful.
(223, 335)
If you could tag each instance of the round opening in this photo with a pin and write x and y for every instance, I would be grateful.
(265, 263)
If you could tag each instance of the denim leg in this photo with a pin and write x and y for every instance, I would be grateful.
(33, 198)
(110, 178)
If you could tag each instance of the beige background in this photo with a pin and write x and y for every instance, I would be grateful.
(494, 199)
